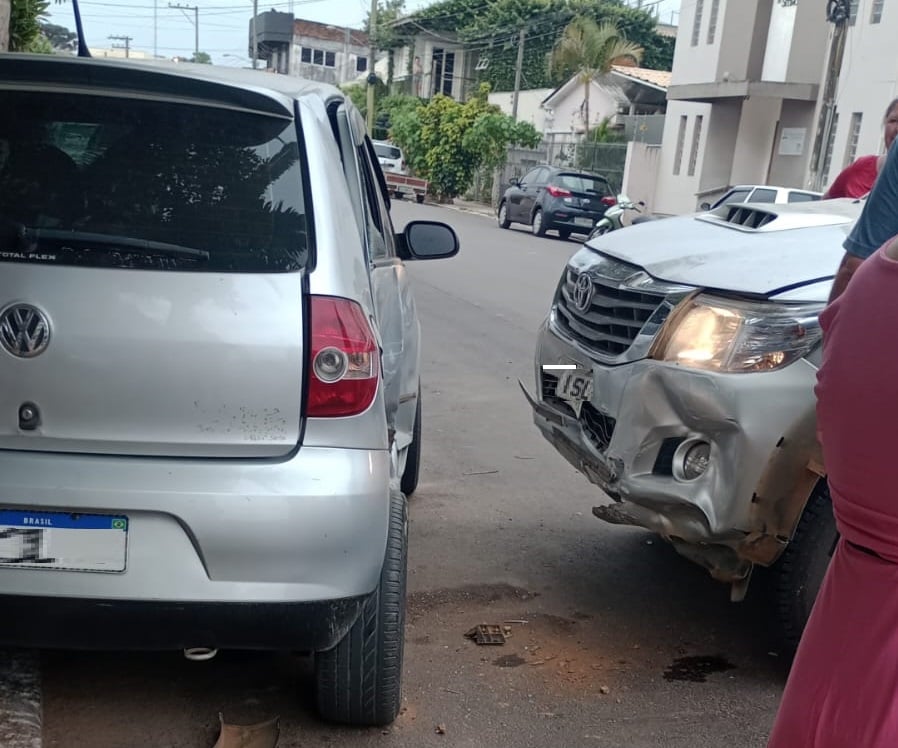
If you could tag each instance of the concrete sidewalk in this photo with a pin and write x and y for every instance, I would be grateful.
(469, 206)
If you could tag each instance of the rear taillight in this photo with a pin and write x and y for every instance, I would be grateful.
(609, 200)
(343, 361)
(558, 191)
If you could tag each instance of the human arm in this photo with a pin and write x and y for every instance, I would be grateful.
(850, 263)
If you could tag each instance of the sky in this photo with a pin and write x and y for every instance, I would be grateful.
(223, 24)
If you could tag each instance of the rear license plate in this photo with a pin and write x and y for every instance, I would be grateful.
(62, 541)
(583, 221)
(574, 385)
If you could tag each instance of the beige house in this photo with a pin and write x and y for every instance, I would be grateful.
(743, 98)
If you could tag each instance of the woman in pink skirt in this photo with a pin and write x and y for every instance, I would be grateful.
(842, 691)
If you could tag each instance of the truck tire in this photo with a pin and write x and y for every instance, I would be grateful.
(419, 198)
(359, 682)
(799, 572)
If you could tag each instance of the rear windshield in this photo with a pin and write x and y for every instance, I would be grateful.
(387, 151)
(584, 184)
(121, 182)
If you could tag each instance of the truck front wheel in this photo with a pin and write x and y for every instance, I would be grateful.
(799, 572)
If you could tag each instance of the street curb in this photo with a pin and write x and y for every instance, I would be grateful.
(20, 699)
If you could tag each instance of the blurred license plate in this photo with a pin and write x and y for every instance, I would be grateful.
(574, 385)
(62, 541)
(583, 221)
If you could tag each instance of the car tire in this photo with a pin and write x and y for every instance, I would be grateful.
(409, 481)
(359, 682)
(564, 234)
(419, 198)
(502, 216)
(537, 226)
(798, 573)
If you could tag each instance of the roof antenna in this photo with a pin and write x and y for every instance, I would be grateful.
(83, 51)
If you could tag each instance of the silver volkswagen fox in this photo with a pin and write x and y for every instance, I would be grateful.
(209, 370)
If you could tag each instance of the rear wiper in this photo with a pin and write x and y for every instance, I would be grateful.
(127, 243)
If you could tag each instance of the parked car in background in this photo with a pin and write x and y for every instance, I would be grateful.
(210, 369)
(390, 157)
(676, 371)
(752, 193)
(550, 198)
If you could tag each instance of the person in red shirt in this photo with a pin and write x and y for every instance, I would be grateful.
(857, 179)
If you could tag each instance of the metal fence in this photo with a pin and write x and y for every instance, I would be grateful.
(607, 159)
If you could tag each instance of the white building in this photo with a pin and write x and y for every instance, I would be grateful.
(868, 82)
(743, 98)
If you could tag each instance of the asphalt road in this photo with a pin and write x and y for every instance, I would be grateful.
(615, 640)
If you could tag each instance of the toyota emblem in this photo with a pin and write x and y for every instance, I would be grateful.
(583, 291)
(24, 330)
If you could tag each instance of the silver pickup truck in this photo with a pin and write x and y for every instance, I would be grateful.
(676, 371)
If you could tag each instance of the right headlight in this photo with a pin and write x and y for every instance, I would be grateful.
(733, 336)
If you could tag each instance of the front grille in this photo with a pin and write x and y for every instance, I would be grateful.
(613, 319)
(598, 427)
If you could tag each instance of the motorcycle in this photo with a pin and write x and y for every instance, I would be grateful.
(614, 216)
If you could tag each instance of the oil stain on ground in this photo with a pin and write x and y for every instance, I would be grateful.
(696, 669)
(509, 661)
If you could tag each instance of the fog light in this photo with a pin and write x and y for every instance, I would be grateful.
(330, 364)
(696, 459)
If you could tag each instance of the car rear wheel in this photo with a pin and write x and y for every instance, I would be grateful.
(359, 681)
(799, 572)
(409, 481)
(504, 223)
(537, 226)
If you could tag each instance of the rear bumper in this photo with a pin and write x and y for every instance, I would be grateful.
(73, 623)
(310, 529)
(575, 221)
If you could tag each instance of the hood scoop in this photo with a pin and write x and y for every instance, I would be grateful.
(748, 217)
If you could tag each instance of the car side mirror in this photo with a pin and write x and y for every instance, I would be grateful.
(514, 182)
(705, 206)
(427, 240)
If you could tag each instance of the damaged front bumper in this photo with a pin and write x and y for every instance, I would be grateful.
(633, 433)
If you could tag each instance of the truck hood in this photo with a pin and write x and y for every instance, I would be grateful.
(751, 249)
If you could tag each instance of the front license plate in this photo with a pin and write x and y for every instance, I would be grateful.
(62, 541)
(583, 221)
(574, 385)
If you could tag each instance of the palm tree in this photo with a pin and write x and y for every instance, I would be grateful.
(589, 50)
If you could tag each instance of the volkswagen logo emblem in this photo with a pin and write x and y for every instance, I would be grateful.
(24, 330)
(583, 291)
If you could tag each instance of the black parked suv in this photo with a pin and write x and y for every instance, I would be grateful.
(550, 198)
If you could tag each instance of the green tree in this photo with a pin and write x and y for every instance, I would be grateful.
(25, 25)
(491, 29)
(203, 58)
(60, 37)
(446, 142)
(589, 50)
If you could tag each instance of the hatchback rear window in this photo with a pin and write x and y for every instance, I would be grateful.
(141, 183)
(584, 184)
(387, 151)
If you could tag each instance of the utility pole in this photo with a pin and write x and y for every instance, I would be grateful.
(255, 36)
(518, 68)
(126, 46)
(372, 77)
(837, 13)
(155, 28)
(196, 24)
